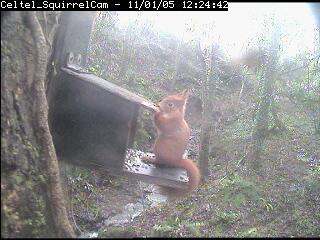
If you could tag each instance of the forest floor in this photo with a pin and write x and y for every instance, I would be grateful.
(281, 200)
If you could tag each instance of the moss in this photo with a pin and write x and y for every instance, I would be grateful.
(29, 218)
(33, 150)
(305, 225)
(308, 227)
(222, 221)
(219, 230)
(193, 229)
(8, 212)
(176, 227)
(228, 217)
(250, 232)
(117, 232)
(163, 231)
(238, 190)
(37, 223)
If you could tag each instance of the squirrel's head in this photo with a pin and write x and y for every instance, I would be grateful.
(175, 103)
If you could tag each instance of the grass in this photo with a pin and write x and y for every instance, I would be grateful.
(237, 190)
(175, 227)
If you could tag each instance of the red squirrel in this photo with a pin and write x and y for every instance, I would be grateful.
(173, 136)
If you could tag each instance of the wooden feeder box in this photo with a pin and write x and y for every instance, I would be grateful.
(93, 122)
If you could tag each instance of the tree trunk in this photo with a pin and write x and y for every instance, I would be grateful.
(208, 84)
(32, 203)
(205, 137)
(265, 99)
(262, 119)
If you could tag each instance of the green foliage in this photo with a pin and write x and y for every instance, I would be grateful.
(266, 204)
(227, 218)
(240, 129)
(117, 232)
(145, 132)
(142, 137)
(312, 185)
(38, 221)
(95, 69)
(315, 171)
(302, 86)
(82, 188)
(175, 227)
(238, 190)
(193, 228)
(165, 229)
(222, 221)
(251, 232)
(309, 226)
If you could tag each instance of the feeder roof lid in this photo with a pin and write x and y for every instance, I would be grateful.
(110, 87)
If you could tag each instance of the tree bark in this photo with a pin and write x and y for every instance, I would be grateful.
(32, 203)
(208, 84)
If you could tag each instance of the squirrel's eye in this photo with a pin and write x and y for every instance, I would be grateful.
(170, 104)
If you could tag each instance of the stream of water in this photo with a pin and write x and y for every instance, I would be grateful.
(131, 211)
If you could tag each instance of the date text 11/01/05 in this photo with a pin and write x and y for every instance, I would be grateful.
(178, 5)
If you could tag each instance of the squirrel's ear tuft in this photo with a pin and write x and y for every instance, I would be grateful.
(186, 93)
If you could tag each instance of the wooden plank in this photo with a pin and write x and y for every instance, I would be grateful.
(146, 172)
(155, 180)
(110, 87)
(156, 174)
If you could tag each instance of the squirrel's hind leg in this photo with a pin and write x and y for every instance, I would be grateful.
(152, 159)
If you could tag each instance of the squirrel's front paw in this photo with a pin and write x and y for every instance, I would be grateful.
(148, 158)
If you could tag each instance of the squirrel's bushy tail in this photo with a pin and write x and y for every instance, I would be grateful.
(194, 179)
